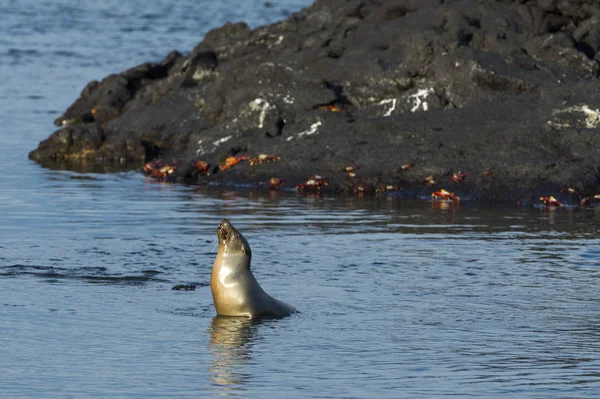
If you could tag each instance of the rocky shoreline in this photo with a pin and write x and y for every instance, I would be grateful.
(492, 100)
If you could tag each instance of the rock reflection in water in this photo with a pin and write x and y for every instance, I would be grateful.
(231, 340)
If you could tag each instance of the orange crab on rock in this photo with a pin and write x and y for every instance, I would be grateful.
(361, 189)
(261, 158)
(458, 177)
(231, 161)
(550, 201)
(158, 170)
(331, 108)
(430, 180)
(404, 167)
(151, 168)
(202, 166)
(389, 187)
(350, 170)
(444, 195)
(275, 183)
(313, 183)
(585, 201)
(167, 170)
(571, 191)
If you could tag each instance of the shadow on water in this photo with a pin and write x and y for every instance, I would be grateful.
(92, 275)
(388, 213)
(89, 166)
(231, 341)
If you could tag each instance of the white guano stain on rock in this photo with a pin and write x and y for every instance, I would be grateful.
(392, 108)
(314, 128)
(221, 141)
(588, 118)
(201, 74)
(261, 105)
(200, 150)
(592, 117)
(418, 99)
(288, 99)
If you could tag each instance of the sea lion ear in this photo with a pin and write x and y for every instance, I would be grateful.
(246, 250)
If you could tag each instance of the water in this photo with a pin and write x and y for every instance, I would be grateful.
(398, 299)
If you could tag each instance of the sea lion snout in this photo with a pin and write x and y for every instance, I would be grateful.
(224, 229)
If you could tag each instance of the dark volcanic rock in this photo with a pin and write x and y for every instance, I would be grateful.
(504, 91)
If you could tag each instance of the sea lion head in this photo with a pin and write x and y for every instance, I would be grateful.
(232, 242)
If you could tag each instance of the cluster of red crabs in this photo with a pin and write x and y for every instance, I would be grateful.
(160, 171)
(551, 202)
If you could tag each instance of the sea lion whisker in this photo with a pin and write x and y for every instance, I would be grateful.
(215, 243)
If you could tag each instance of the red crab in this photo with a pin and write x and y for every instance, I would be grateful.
(389, 187)
(444, 195)
(430, 180)
(263, 158)
(158, 170)
(458, 177)
(350, 170)
(202, 166)
(275, 183)
(361, 189)
(231, 161)
(550, 201)
(571, 191)
(152, 168)
(404, 167)
(330, 107)
(588, 200)
(314, 182)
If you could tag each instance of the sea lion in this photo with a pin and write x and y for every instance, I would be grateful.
(235, 290)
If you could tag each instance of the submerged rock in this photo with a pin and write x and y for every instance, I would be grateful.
(506, 92)
(184, 287)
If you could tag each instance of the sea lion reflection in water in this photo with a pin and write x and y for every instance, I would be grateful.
(235, 290)
(231, 346)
